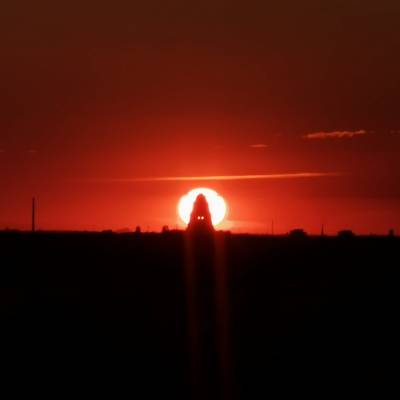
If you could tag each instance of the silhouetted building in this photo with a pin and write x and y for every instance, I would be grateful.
(200, 218)
(346, 233)
(391, 233)
(165, 229)
(298, 233)
(138, 230)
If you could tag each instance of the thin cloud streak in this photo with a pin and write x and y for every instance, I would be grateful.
(335, 134)
(295, 175)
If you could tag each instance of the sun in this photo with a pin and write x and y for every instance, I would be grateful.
(216, 204)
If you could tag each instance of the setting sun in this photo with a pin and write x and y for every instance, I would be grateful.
(216, 203)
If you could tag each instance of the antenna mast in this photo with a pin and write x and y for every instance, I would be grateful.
(33, 214)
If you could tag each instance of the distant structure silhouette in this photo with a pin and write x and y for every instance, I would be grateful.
(346, 233)
(200, 218)
(298, 233)
(33, 214)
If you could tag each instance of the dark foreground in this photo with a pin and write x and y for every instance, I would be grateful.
(163, 316)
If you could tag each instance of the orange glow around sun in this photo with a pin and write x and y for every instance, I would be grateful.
(216, 204)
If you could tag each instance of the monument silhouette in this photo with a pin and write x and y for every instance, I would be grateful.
(200, 218)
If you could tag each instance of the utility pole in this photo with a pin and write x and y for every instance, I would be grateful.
(33, 214)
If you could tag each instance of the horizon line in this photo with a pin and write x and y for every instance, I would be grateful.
(183, 230)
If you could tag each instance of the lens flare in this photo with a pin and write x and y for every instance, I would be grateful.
(216, 204)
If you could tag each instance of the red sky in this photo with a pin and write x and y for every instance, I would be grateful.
(97, 94)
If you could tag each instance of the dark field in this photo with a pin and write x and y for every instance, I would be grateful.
(168, 316)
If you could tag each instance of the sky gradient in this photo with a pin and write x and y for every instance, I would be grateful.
(101, 101)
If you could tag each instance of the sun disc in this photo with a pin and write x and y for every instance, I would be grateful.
(216, 204)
